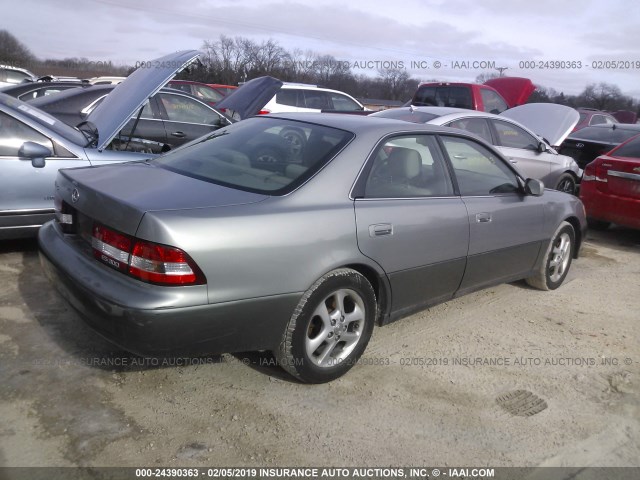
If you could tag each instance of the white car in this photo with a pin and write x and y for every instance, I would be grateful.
(14, 75)
(299, 97)
(525, 135)
(106, 80)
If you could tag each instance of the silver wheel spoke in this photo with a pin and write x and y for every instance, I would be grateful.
(561, 254)
(314, 343)
(326, 354)
(356, 316)
(335, 328)
(350, 339)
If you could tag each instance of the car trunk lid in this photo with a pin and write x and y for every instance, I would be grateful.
(249, 99)
(514, 90)
(130, 95)
(551, 121)
(619, 176)
(119, 195)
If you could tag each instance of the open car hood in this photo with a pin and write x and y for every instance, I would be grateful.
(551, 121)
(515, 90)
(131, 94)
(249, 99)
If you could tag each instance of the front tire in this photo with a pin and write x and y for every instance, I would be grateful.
(557, 259)
(566, 183)
(330, 328)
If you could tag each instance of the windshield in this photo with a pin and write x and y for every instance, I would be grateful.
(262, 155)
(405, 114)
(45, 120)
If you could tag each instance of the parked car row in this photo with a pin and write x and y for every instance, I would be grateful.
(361, 219)
(377, 219)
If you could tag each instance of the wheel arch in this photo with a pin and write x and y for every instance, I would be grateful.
(577, 230)
(381, 287)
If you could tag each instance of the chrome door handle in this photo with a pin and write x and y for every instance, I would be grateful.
(380, 229)
(483, 217)
(178, 134)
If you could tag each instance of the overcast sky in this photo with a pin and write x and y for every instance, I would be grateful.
(417, 33)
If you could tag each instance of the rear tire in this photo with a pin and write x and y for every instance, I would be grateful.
(557, 259)
(566, 183)
(597, 224)
(330, 328)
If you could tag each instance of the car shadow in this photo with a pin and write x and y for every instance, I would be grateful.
(265, 363)
(18, 245)
(616, 237)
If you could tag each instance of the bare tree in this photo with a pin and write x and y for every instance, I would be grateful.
(14, 52)
(394, 81)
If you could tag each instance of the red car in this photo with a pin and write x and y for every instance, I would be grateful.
(495, 96)
(610, 188)
(200, 90)
(223, 89)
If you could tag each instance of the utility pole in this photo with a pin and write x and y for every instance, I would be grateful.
(501, 70)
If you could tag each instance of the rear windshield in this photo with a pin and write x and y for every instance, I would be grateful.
(406, 114)
(443, 96)
(262, 155)
(605, 134)
(631, 149)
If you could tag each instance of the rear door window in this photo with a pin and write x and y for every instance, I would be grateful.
(512, 136)
(184, 109)
(316, 99)
(289, 97)
(344, 103)
(408, 166)
(479, 126)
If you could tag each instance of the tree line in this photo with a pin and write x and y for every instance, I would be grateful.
(232, 60)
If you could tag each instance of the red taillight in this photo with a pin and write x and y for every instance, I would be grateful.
(159, 264)
(264, 112)
(146, 261)
(596, 171)
(111, 247)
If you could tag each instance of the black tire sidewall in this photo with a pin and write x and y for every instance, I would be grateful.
(306, 369)
(551, 284)
(562, 178)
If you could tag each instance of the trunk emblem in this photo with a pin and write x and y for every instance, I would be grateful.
(637, 169)
(579, 145)
(75, 195)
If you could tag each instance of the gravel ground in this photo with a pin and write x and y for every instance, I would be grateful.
(425, 394)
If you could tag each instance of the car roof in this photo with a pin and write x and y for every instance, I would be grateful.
(361, 124)
(28, 86)
(310, 87)
(23, 70)
(189, 82)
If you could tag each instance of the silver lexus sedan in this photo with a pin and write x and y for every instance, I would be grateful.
(220, 247)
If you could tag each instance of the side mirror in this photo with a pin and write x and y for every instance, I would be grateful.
(36, 152)
(542, 147)
(533, 187)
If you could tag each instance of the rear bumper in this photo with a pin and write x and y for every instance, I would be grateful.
(623, 211)
(140, 318)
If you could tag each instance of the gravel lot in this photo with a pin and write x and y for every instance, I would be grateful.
(424, 395)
